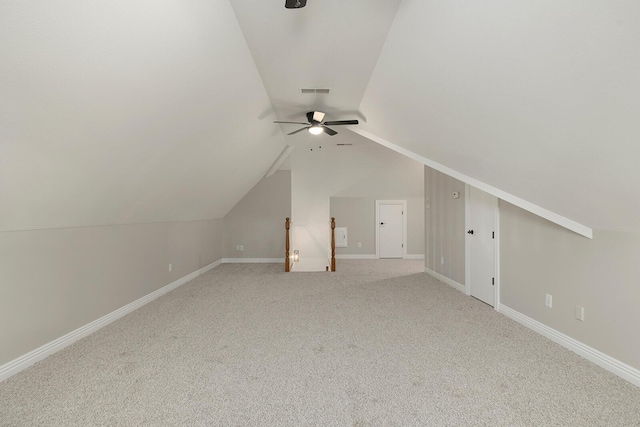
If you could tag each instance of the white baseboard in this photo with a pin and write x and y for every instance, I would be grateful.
(373, 256)
(13, 367)
(446, 280)
(253, 260)
(612, 365)
(356, 256)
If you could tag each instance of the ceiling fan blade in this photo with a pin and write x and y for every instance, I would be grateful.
(299, 130)
(318, 116)
(293, 123)
(341, 122)
(329, 131)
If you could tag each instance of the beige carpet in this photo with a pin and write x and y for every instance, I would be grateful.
(250, 345)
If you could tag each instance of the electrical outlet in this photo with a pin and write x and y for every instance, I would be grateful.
(442, 260)
(359, 244)
(549, 301)
(242, 247)
(170, 268)
(580, 313)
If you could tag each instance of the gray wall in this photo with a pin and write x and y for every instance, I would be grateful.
(358, 214)
(602, 275)
(444, 225)
(538, 257)
(257, 221)
(57, 280)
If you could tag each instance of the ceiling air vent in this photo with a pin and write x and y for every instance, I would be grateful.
(314, 90)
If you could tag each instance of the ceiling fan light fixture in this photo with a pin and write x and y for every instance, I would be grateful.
(315, 130)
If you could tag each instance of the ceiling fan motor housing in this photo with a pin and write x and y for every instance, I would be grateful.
(295, 4)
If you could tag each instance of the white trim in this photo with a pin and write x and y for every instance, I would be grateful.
(535, 209)
(253, 260)
(373, 256)
(496, 246)
(607, 362)
(284, 154)
(356, 256)
(496, 257)
(446, 280)
(13, 367)
(404, 224)
(467, 241)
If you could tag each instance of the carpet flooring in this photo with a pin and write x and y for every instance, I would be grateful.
(377, 343)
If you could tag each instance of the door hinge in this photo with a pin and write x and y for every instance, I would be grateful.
(493, 234)
(493, 280)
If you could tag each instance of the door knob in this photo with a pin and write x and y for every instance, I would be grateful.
(470, 231)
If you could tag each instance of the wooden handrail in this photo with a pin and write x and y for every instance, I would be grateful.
(287, 264)
(333, 244)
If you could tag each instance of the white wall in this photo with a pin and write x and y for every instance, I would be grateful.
(319, 174)
(55, 281)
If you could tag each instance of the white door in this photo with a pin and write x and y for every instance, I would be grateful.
(481, 233)
(390, 230)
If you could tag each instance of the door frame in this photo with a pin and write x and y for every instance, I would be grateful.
(404, 224)
(467, 246)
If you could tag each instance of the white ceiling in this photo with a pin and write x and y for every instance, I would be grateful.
(330, 44)
(539, 99)
(127, 112)
(144, 111)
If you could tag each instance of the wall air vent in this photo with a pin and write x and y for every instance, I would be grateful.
(314, 90)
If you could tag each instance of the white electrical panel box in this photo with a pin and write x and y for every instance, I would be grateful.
(341, 237)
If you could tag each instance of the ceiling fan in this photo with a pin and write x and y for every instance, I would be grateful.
(295, 4)
(316, 125)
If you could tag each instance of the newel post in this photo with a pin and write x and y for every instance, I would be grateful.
(287, 265)
(333, 244)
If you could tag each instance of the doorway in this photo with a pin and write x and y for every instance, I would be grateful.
(391, 228)
(481, 246)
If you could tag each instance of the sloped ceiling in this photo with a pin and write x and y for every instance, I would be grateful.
(329, 44)
(127, 112)
(540, 99)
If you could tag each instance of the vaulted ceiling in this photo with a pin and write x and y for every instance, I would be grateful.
(538, 98)
(126, 112)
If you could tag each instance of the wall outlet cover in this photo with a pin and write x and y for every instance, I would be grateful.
(549, 300)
